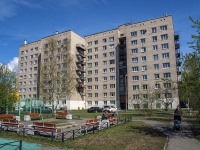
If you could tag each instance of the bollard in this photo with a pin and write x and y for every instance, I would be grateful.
(63, 137)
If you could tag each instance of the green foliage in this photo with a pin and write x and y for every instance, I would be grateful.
(7, 87)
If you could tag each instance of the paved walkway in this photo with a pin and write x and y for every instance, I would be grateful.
(179, 140)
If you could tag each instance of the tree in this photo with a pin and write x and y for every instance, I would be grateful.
(7, 87)
(57, 71)
(168, 92)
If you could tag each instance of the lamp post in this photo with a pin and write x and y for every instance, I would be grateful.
(126, 91)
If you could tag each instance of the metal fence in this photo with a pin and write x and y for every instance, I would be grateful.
(16, 147)
(65, 135)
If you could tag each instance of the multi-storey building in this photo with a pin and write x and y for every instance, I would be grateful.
(120, 63)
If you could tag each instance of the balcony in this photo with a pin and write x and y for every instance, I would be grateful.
(178, 63)
(80, 54)
(176, 37)
(177, 46)
(80, 85)
(81, 69)
(81, 46)
(80, 62)
(122, 52)
(178, 55)
(178, 73)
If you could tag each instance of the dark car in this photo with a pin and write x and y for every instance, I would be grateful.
(94, 109)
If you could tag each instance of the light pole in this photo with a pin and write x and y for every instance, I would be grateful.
(126, 91)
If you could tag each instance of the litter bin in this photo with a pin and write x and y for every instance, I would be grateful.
(69, 116)
(27, 118)
(17, 118)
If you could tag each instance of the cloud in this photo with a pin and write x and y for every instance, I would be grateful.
(13, 64)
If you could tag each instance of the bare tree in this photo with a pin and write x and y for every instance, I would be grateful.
(57, 78)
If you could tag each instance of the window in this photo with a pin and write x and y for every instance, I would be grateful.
(165, 46)
(135, 78)
(96, 102)
(96, 49)
(134, 33)
(162, 28)
(167, 75)
(89, 94)
(104, 78)
(168, 95)
(104, 40)
(143, 31)
(112, 77)
(135, 60)
(112, 86)
(112, 69)
(135, 69)
(104, 70)
(135, 97)
(112, 102)
(154, 38)
(112, 94)
(145, 86)
(89, 57)
(89, 72)
(143, 40)
(167, 85)
(134, 51)
(89, 79)
(164, 37)
(156, 76)
(153, 30)
(143, 49)
(96, 56)
(104, 47)
(111, 39)
(112, 54)
(135, 87)
(89, 50)
(89, 87)
(31, 56)
(145, 96)
(96, 64)
(95, 71)
(111, 46)
(112, 61)
(104, 94)
(144, 68)
(105, 102)
(96, 95)
(89, 43)
(155, 57)
(96, 87)
(105, 86)
(134, 42)
(157, 86)
(96, 79)
(155, 47)
(166, 65)
(165, 55)
(144, 58)
(89, 65)
(144, 77)
(104, 62)
(156, 66)
(96, 42)
(104, 54)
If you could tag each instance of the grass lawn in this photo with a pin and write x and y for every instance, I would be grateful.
(129, 136)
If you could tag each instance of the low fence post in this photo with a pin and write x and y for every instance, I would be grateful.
(24, 131)
(20, 145)
(52, 136)
(73, 134)
(63, 137)
(93, 129)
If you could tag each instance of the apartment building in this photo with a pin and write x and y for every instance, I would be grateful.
(113, 67)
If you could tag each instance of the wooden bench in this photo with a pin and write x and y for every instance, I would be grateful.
(12, 124)
(61, 115)
(7, 116)
(46, 128)
(113, 119)
(89, 124)
(35, 116)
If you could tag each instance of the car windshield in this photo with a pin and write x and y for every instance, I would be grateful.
(106, 106)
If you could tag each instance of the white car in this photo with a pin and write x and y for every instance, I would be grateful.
(109, 108)
(21, 108)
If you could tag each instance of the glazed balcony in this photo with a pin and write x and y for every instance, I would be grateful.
(177, 46)
(178, 55)
(81, 47)
(80, 54)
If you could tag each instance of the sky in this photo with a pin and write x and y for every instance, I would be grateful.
(35, 19)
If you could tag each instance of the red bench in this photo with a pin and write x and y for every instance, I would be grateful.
(7, 116)
(61, 115)
(12, 124)
(89, 124)
(46, 128)
(113, 119)
(35, 116)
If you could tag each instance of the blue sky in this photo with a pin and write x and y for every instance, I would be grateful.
(35, 19)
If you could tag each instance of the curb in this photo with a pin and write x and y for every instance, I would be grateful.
(166, 143)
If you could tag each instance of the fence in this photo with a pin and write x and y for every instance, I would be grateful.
(67, 135)
(19, 147)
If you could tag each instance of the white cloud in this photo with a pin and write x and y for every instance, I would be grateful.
(13, 64)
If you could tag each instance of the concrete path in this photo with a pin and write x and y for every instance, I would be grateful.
(179, 140)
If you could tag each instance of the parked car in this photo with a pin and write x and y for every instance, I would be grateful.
(21, 108)
(109, 108)
(95, 109)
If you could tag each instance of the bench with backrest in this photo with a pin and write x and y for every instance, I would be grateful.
(7, 116)
(113, 119)
(12, 124)
(61, 115)
(46, 128)
(89, 124)
(35, 115)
